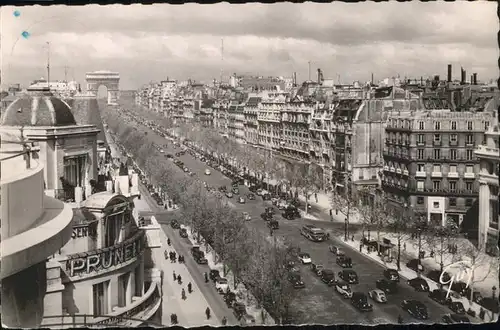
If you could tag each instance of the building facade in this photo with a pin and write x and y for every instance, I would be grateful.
(251, 123)
(269, 120)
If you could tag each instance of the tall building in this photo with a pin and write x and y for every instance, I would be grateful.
(488, 154)
(269, 119)
(251, 124)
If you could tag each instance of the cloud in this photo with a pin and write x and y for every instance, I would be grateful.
(352, 40)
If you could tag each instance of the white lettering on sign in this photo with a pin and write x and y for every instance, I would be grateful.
(83, 231)
(463, 270)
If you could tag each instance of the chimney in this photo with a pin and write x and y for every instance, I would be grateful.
(449, 73)
(294, 79)
(462, 78)
(319, 76)
(472, 79)
(474, 75)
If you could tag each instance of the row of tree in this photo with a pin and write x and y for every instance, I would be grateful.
(252, 259)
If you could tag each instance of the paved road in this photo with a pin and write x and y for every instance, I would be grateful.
(320, 304)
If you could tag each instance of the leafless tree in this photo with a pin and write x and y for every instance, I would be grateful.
(347, 205)
(400, 226)
(239, 253)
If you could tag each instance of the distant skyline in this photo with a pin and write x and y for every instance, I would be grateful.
(150, 43)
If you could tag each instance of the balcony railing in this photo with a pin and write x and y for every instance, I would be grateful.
(136, 314)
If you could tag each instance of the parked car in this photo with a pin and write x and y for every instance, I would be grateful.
(457, 307)
(336, 250)
(221, 285)
(344, 289)
(305, 258)
(328, 277)
(296, 280)
(239, 310)
(415, 265)
(386, 286)
(241, 200)
(291, 213)
(246, 216)
(440, 296)
(183, 232)
(455, 318)
(175, 224)
(207, 172)
(344, 262)
(360, 301)
(266, 216)
(214, 274)
(349, 276)
(273, 224)
(436, 275)
(251, 197)
(378, 295)
(419, 284)
(391, 274)
(230, 298)
(198, 255)
(292, 267)
(317, 268)
(247, 320)
(415, 308)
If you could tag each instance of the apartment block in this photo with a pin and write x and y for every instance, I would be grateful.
(269, 119)
(251, 123)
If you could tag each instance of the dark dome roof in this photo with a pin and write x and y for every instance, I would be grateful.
(38, 110)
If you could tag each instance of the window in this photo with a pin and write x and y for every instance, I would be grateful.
(437, 137)
(420, 168)
(469, 125)
(453, 168)
(420, 138)
(74, 170)
(421, 125)
(420, 185)
(436, 205)
(436, 185)
(122, 289)
(486, 125)
(453, 138)
(453, 125)
(453, 154)
(469, 154)
(437, 125)
(437, 153)
(420, 200)
(468, 202)
(453, 201)
(436, 168)
(469, 169)
(420, 154)
(468, 186)
(452, 185)
(100, 298)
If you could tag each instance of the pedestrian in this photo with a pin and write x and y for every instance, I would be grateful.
(207, 313)
(183, 294)
(404, 246)
(179, 279)
(190, 289)
(206, 277)
(175, 276)
(224, 320)
(168, 241)
(360, 247)
(352, 238)
(316, 197)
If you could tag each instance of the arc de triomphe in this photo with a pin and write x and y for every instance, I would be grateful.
(107, 78)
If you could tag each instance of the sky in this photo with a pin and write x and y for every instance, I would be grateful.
(348, 42)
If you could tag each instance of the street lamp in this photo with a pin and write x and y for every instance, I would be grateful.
(346, 222)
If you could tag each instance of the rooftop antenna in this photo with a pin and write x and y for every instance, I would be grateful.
(48, 64)
(309, 64)
(222, 59)
(66, 74)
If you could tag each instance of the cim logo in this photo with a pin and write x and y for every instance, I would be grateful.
(463, 271)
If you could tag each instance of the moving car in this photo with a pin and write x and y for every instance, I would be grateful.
(328, 277)
(251, 197)
(273, 224)
(336, 250)
(221, 285)
(305, 258)
(344, 289)
(214, 274)
(266, 196)
(317, 269)
(455, 318)
(236, 191)
(457, 307)
(360, 301)
(241, 200)
(207, 172)
(223, 189)
(391, 274)
(386, 286)
(246, 216)
(439, 296)
(378, 295)
(186, 169)
(344, 262)
(175, 224)
(415, 265)
(291, 213)
(415, 308)
(296, 280)
(419, 284)
(292, 267)
(266, 216)
(229, 194)
(349, 276)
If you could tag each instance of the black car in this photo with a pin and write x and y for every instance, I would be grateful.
(328, 277)
(455, 318)
(273, 224)
(222, 189)
(387, 286)
(457, 307)
(415, 308)
(435, 275)
(291, 213)
(349, 276)
(266, 197)
(344, 262)
(251, 197)
(419, 284)
(460, 288)
(169, 156)
(440, 296)
(391, 274)
(266, 216)
(360, 301)
(214, 274)
(230, 298)
(175, 224)
(415, 265)
(183, 233)
(239, 310)
(270, 210)
(296, 280)
(317, 269)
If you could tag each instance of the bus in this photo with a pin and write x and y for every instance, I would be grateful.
(313, 233)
